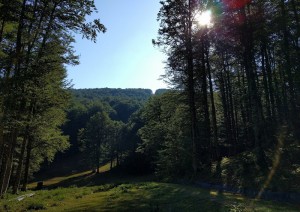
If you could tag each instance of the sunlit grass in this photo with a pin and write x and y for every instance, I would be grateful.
(146, 196)
(57, 180)
(133, 195)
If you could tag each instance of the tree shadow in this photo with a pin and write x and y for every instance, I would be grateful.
(113, 176)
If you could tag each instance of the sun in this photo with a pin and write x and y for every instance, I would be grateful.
(204, 18)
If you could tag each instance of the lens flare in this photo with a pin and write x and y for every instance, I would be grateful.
(204, 18)
(236, 4)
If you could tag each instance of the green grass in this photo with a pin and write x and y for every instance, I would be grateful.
(112, 192)
(57, 181)
(143, 196)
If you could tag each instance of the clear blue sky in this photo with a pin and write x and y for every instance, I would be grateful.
(124, 56)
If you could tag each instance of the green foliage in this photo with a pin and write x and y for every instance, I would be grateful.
(105, 187)
(238, 85)
(242, 171)
(93, 137)
(119, 104)
(35, 45)
(100, 93)
(161, 91)
(100, 139)
(36, 206)
(164, 136)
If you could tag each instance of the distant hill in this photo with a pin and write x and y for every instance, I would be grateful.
(101, 93)
(161, 91)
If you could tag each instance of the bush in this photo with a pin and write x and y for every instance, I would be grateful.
(36, 206)
(105, 187)
(242, 171)
(245, 171)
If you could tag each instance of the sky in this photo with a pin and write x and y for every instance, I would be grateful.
(124, 56)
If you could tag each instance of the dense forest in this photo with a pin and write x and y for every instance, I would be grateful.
(239, 86)
(231, 116)
(116, 107)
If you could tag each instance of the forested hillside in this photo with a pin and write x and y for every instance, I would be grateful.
(118, 104)
(115, 106)
(102, 93)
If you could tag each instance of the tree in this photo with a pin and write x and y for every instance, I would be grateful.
(176, 37)
(93, 136)
(165, 135)
(237, 77)
(35, 40)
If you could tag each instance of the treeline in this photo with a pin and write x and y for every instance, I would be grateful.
(236, 116)
(35, 45)
(101, 93)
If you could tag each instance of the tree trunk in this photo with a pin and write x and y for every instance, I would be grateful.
(225, 107)
(98, 154)
(118, 158)
(7, 162)
(265, 84)
(231, 110)
(2, 30)
(270, 83)
(296, 12)
(286, 51)
(8, 174)
(20, 166)
(279, 102)
(1, 142)
(191, 91)
(254, 99)
(242, 107)
(27, 163)
(213, 111)
(206, 126)
(111, 162)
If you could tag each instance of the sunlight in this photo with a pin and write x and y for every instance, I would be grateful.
(204, 18)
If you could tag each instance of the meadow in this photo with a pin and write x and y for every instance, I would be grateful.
(88, 191)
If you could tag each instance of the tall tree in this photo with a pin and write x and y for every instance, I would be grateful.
(29, 31)
(244, 60)
(99, 131)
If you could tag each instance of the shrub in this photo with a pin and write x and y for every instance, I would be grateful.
(105, 187)
(36, 206)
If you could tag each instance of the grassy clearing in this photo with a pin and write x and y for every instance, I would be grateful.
(146, 196)
(111, 192)
(63, 180)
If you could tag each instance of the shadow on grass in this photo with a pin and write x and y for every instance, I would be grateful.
(137, 192)
(116, 191)
(125, 192)
(153, 197)
(113, 176)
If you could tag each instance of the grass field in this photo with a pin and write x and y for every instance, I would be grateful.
(104, 192)
(63, 180)
(147, 196)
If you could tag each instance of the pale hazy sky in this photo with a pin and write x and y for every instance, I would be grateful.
(124, 56)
